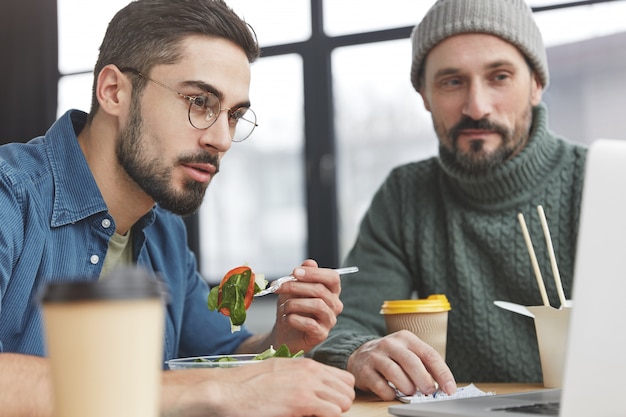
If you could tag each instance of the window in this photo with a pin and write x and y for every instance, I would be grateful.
(258, 210)
(81, 27)
(383, 124)
(594, 20)
(254, 211)
(343, 17)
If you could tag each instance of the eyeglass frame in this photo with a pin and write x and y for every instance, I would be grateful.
(192, 99)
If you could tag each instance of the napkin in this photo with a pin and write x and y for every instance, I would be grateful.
(462, 392)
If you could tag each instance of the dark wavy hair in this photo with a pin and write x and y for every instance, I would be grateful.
(146, 33)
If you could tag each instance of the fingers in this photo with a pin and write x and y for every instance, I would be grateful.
(310, 262)
(440, 372)
(307, 308)
(320, 390)
(273, 387)
(296, 290)
(432, 362)
(303, 323)
(310, 273)
(404, 360)
(368, 379)
(337, 390)
(314, 298)
(372, 368)
(314, 283)
(310, 309)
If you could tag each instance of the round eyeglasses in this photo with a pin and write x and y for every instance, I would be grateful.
(204, 109)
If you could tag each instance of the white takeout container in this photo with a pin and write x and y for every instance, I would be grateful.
(552, 326)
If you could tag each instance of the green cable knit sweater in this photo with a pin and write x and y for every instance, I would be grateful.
(435, 229)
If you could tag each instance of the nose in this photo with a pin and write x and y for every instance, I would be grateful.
(477, 102)
(219, 135)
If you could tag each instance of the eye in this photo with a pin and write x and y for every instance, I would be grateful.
(200, 102)
(207, 106)
(237, 114)
(501, 76)
(451, 82)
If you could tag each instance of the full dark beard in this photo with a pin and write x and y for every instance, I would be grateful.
(152, 174)
(477, 159)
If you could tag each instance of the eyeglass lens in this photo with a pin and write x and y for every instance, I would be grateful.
(205, 109)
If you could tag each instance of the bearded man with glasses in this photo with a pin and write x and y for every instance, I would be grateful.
(103, 189)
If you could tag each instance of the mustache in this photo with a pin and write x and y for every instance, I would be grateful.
(481, 124)
(202, 158)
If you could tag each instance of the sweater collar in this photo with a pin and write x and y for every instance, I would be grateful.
(513, 180)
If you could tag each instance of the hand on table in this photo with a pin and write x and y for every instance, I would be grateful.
(273, 387)
(402, 359)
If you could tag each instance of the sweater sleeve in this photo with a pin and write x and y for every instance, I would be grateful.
(383, 275)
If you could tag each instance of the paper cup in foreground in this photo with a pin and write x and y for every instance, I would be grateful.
(426, 317)
(105, 343)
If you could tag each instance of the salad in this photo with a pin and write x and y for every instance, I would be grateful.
(235, 293)
(281, 352)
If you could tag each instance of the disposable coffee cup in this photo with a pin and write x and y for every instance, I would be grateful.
(427, 318)
(105, 344)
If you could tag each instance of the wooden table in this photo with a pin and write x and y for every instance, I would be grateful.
(368, 405)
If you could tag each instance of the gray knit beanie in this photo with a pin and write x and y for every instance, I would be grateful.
(511, 20)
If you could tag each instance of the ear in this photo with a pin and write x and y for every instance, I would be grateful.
(536, 90)
(113, 90)
(424, 96)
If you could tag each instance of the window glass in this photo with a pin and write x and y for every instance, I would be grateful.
(81, 28)
(590, 21)
(82, 25)
(254, 209)
(74, 93)
(276, 21)
(383, 124)
(354, 16)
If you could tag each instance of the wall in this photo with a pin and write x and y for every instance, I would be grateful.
(29, 71)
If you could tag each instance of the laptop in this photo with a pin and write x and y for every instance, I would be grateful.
(595, 363)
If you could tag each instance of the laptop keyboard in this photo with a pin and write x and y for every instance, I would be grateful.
(541, 409)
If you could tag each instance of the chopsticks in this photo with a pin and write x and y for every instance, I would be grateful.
(533, 258)
(555, 268)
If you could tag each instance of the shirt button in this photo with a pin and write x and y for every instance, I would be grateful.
(94, 259)
(106, 223)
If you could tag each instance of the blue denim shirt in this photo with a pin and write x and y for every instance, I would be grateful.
(55, 226)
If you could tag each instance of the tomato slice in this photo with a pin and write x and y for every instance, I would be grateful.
(238, 273)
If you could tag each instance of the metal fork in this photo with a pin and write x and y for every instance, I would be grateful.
(280, 281)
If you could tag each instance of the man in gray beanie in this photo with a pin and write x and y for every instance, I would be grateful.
(448, 225)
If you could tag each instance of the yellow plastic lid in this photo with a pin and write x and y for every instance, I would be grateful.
(433, 304)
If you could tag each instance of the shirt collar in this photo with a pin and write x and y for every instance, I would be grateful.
(76, 194)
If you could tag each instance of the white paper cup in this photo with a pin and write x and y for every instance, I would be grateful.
(427, 318)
